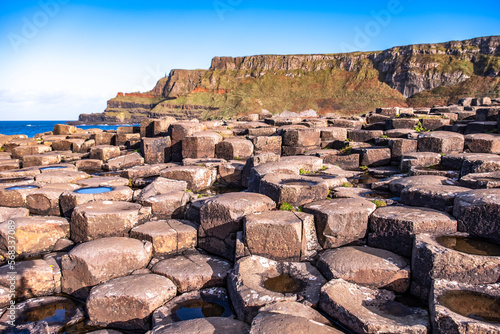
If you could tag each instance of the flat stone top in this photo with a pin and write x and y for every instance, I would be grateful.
(442, 190)
(340, 206)
(349, 259)
(96, 250)
(35, 220)
(398, 185)
(142, 287)
(411, 214)
(241, 199)
(107, 207)
(276, 217)
(204, 326)
(481, 197)
(103, 181)
(441, 134)
(483, 136)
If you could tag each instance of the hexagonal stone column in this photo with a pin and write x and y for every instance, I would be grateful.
(221, 217)
(234, 149)
(197, 177)
(340, 221)
(294, 190)
(281, 235)
(483, 143)
(455, 257)
(101, 219)
(33, 235)
(33, 278)
(478, 212)
(394, 227)
(439, 197)
(128, 302)
(100, 260)
(167, 236)
(104, 152)
(14, 196)
(365, 310)
(204, 325)
(256, 281)
(193, 271)
(367, 266)
(45, 201)
(441, 142)
(200, 145)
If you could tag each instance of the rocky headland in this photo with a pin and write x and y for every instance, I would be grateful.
(346, 84)
(297, 223)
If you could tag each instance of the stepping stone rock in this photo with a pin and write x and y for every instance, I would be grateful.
(394, 228)
(167, 236)
(98, 261)
(222, 216)
(193, 271)
(33, 278)
(104, 152)
(256, 281)
(45, 201)
(198, 178)
(365, 310)
(481, 180)
(294, 190)
(397, 186)
(374, 156)
(204, 326)
(309, 164)
(457, 308)
(128, 302)
(269, 322)
(14, 196)
(478, 212)
(419, 159)
(258, 172)
(235, 149)
(9, 213)
(156, 150)
(72, 198)
(101, 219)
(483, 143)
(60, 176)
(441, 142)
(437, 197)
(123, 162)
(200, 145)
(169, 205)
(371, 267)
(33, 235)
(160, 186)
(340, 221)
(455, 257)
(281, 235)
(103, 181)
(480, 163)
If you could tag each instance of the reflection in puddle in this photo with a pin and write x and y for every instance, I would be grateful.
(205, 307)
(473, 305)
(94, 190)
(469, 245)
(298, 183)
(396, 309)
(57, 312)
(283, 283)
(52, 168)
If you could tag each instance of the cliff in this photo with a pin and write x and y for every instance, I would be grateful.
(416, 75)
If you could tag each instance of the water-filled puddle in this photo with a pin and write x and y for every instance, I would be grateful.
(473, 305)
(94, 190)
(470, 245)
(53, 168)
(298, 183)
(206, 307)
(365, 179)
(397, 309)
(322, 176)
(22, 187)
(283, 283)
(51, 313)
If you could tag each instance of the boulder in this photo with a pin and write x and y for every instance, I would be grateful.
(104, 152)
(32, 278)
(294, 190)
(441, 142)
(200, 145)
(396, 186)
(374, 156)
(197, 177)
(267, 144)
(123, 162)
(100, 260)
(169, 205)
(234, 149)
(9, 213)
(340, 221)
(45, 201)
(483, 143)
(14, 195)
(128, 302)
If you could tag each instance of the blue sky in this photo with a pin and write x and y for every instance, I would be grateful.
(60, 58)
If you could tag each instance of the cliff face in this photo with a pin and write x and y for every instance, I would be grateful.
(346, 83)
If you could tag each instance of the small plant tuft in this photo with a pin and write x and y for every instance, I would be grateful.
(363, 168)
(347, 185)
(303, 171)
(287, 207)
(420, 128)
(379, 203)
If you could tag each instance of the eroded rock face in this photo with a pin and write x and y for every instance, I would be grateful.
(128, 302)
(256, 281)
(371, 267)
(464, 308)
(340, 221)
(33, 278)
(98, 261)
(365, 310)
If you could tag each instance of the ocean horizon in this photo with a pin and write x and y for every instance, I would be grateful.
(31, 128)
